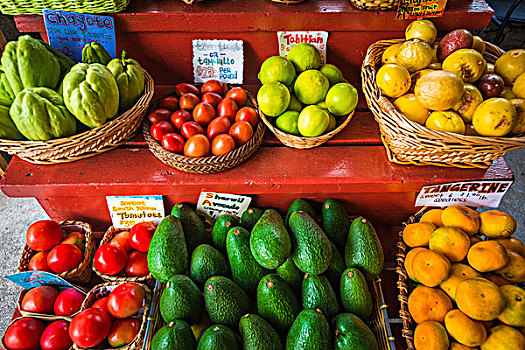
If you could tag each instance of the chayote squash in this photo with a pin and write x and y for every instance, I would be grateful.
(27, 63)
(8, 129)
(130, 80)
(5, 87)
(91, 93)
(95, 53)
(40, 114)
(65, 62)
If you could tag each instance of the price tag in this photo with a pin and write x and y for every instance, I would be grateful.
(222, 60)
(287, 40)
(212, 204)
(414, 9)
(483, 193)
(127, 211)
(69, 32)
(33, 279)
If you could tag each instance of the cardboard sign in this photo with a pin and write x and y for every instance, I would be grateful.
(33, 279)
(287, 40)
(414, 9)
(484, 193)
(127, 211)
(222, 60)
(69, 32)
(213, 205)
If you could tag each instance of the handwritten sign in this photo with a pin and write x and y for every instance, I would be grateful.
(68, 32)
(414, 9)
(483, 193)
(287, 40)
(213, 205)
(222, 60)
(127, 211)
(32, 279)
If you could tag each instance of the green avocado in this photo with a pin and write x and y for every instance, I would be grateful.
(224, 223)
(176, 335)
(277, 302)
(269, 242)
(193, 226)
(300, 205)
(207, 262)
(363, 248)
(336, 268)
(336, 222)
(257, 334)
(318, 294)
(250, 217)
(351, 333)
(181, 300)
(218, 337)
(225, 301)
(291, 274)
(355, 295)
(310, 331)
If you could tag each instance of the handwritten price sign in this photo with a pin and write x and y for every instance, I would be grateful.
(218, 59)
(414, 9)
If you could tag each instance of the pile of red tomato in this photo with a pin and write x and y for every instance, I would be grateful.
(196, 122)
(47, 300)
(30, 333)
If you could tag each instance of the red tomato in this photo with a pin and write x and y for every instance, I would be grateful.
(160, 128)
(101, 303)
(203, 113)
(213, 86)
(212, 98)
(39, 262)
(197, 146)
(137, 265)
(239, 95)
(89, 327)
(189, 101)
(169, 102)
(180, 117)
(68, 302)
(158, 115)
(227, 108)
(125, 300)
(140, 235)
(247, 114)
(122, 239)
(43, 235)
(64, 257)
(123, 331)
(173, 142)
(110, 259)
(219, 125)
(189, 129)
(24, 334)
(76, 238)
(184, 88)
(39, 300)
(56, 336)
(241, 132)
(222, 144)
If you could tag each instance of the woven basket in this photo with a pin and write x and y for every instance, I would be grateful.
(46, 322)
(35, 7)
(89, 143)
(82, 273)
(375, 5)
(378, 322)
(408, 142)
(121, 278)
(209, 164)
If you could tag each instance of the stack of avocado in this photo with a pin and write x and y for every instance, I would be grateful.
(262, 282)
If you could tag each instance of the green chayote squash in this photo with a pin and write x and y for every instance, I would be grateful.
(40, 114)
(91, 93)
(8, 129)
(65, 62)
(95, 53)
(27, 63)
(5, 87)
(130, 80)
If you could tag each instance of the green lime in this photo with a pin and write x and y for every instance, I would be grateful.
(277, 68)
(295, 105)
(311, 87)
(332, 123)
(304, 56)
(333, 73)
(323, 105)
(287, 122)
(341, 99)
(313, 121)
(273, 98)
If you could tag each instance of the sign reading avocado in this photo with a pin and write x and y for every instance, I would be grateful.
(222, 60)
(127, 211)
(415, 9)
(213, 204)
(287, 40)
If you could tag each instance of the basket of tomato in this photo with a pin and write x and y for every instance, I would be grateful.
(205, 129)
(37, 333)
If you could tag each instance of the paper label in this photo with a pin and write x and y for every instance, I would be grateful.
(127, 211)
(32, 279)
(414, 9)
(484, 193)
(222, 60)
(213, 205)
(69, 32)
(287, 40)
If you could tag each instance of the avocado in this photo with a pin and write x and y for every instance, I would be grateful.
(257, 334)
(207, 262)
(224, 223)
(193, 226)
(336, 222)
(336, 268)
(291, 274)
(300, 204)
(313, 250)
(168, 255)
(250, 217)
(246, 271)
(218, 337)
(277, 302)
(355, 295)
(176, 335)
(225, 301)
(351, 333)
(363, 248)
(310, 331)
(181, 299)
(318, 294)
(269, 242)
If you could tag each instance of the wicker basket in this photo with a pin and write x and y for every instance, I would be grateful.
(121, 278)
(375, 5)
(82, 273)
(408, 142)
(210, 164)
(46, 322)
(35, 7)
(89, 143)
